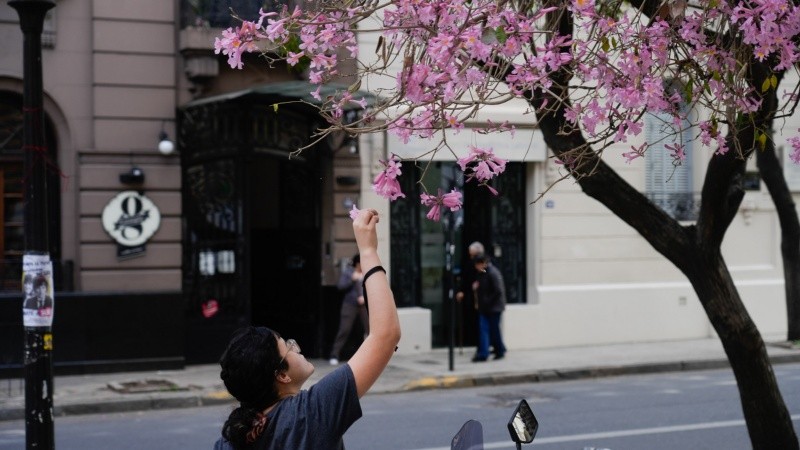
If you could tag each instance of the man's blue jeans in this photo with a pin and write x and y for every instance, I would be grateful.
(489, 332)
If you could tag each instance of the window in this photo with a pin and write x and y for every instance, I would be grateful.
(669, 186)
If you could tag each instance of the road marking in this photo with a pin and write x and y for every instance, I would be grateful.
(619, 433)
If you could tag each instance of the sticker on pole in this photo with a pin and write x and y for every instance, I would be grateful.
(37, 285)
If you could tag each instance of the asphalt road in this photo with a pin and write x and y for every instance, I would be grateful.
(685, 410)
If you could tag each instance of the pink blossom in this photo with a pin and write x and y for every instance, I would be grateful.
(676, 152)
(354, 212)
(482, 164)
(235, 42)
(795, 143)
(385, 183)
(636, 152)
(450, 200)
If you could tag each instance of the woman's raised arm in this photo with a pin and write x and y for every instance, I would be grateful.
(384, 327)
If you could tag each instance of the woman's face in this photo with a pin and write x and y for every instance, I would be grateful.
(300, 369)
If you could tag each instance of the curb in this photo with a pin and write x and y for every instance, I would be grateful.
(220, 397)
(452, 381)
(125, 405)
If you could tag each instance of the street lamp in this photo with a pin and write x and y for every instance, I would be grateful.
(39, 432)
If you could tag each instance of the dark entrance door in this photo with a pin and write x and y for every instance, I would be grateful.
(251, 230)
(498, 222)
(285, 246)
(418, 245)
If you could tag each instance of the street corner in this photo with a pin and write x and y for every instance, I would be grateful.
(443, 382)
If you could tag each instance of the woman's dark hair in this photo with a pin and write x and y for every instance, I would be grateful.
(356, 259)
(249, 365)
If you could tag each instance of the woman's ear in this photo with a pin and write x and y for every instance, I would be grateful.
(283, 377)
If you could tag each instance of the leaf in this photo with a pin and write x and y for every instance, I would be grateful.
(500, 34)
(604, 44)
(689, 88)
(275, 107)
(765, 85)
(355, 86)
(762, 140)
(773, 80)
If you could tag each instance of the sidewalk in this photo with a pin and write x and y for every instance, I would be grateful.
(200, 385)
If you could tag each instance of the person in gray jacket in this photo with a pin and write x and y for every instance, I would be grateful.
(352, 306)
(489, 288)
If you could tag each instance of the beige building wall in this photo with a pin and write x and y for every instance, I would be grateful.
(110, 88)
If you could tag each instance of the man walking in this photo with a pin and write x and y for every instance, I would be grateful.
(490, 293)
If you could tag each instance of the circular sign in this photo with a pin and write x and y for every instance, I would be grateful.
(131, 218)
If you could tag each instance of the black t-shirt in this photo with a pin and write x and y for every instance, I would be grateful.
(315, 419)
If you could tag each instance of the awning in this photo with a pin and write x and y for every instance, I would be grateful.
(284, 91)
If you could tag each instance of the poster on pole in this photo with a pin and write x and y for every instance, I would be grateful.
(37, 286)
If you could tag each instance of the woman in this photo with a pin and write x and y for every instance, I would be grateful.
(352, 307)
(265, 372)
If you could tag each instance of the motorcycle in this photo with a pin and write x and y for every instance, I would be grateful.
(522, 427)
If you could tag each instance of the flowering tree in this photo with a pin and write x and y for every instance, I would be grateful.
(589, 72)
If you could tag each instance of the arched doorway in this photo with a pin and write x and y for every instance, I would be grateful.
(12, 202)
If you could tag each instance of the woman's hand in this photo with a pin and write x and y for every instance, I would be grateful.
(364, 230)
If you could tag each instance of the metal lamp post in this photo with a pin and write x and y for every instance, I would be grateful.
(452, 221)
(39, 430)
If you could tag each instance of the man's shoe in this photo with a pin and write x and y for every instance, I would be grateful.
(499, 356)
(478, 359)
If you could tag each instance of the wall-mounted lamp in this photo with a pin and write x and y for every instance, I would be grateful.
(353, 147)
(165, 146)
(133, 176)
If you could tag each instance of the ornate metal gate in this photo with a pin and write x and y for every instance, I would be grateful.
(251, 220)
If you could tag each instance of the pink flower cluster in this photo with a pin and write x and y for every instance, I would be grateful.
(795, 143)
(482, 165)
(450, 200)
(623, 66)
(235, 42)
(320, 34)
(385, 183)
(771, 27)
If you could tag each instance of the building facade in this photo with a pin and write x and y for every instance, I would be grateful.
(252, 233)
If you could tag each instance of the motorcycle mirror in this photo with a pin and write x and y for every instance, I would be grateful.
(523, 424)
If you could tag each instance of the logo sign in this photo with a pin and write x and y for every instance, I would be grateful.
(131, 219)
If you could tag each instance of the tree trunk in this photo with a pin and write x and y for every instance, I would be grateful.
(772, 174)
(768, 421)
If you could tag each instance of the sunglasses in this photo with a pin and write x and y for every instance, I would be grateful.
(291, 346)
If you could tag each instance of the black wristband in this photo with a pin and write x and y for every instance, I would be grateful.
(364, 281)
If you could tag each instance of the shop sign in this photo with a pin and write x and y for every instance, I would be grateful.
(131, 219)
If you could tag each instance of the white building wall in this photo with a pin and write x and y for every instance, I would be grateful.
(593, 280)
